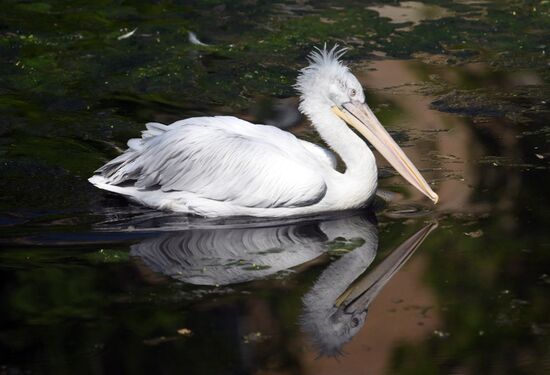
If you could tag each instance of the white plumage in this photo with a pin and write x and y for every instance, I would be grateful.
(243, 165)
(224, 166)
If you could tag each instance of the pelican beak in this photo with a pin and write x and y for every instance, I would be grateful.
(360, 116)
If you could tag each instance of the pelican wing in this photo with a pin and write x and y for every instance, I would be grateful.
(221, 158)
(322, 154)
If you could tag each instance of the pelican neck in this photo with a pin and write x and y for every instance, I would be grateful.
(353, 151)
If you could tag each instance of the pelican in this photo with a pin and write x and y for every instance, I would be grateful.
(223, 166)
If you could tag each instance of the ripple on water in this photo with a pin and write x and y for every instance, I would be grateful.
(406, 212)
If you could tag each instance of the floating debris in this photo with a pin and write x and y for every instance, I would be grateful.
(254, 337)
(127, 35)
(193, 39)
(441, 334)
(159, 340)
(475, 234)
(185, 332)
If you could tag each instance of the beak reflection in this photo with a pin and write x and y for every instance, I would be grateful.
(361, 293)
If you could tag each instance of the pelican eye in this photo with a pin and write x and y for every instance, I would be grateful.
(353, 92)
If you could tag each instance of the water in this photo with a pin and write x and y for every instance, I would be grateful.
(93, 284)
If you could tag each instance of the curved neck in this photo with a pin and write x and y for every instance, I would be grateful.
(349, 146)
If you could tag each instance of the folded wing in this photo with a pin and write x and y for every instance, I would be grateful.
(221, 158)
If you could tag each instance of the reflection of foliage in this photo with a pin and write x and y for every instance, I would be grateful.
(52, 295)
(61, 317)
(494, 308)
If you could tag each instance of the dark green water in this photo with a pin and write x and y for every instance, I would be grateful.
(92, 284)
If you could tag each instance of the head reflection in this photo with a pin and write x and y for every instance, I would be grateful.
(334, 309)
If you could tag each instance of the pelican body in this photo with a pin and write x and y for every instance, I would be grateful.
(223, 166)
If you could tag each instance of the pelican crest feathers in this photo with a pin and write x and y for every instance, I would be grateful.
(322, 62)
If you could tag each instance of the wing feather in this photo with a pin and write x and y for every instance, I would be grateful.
(221, 158)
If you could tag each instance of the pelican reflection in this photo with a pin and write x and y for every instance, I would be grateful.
(334, 309)
(228, 255)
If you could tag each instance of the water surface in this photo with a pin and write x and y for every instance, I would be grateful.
(93, 284)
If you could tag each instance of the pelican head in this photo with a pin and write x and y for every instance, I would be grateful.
(328, 88)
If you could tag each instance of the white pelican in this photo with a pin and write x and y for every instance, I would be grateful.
(224, 166)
